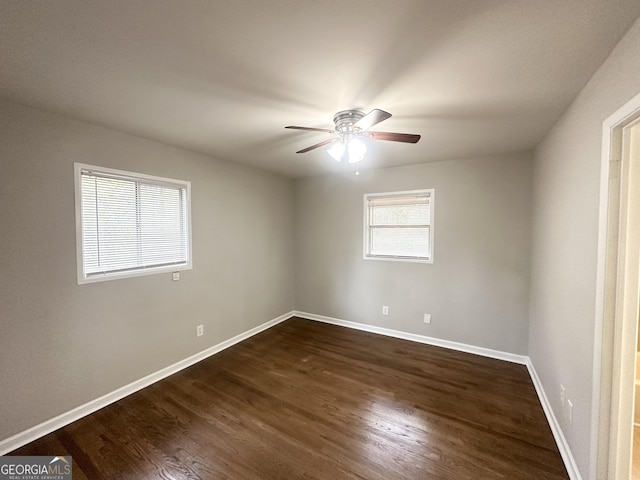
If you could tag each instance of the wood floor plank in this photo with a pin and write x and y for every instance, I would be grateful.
(306, 400)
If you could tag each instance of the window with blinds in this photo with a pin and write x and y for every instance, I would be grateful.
(399, 226)
(130, 224)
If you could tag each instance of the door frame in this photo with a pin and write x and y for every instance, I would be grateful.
(617, 296)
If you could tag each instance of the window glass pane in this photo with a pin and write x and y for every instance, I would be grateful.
(400, 242)
(113, 244)
(162, 233)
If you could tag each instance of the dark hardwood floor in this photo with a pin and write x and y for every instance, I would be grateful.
(305, 400)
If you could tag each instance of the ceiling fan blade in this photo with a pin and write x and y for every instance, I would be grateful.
(394, 137)
(372, 118)
(310, 129)
(317, 145)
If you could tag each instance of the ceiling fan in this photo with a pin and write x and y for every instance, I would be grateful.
(351, 126)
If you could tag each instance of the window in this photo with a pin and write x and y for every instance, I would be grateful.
(128, 224)
(399, 226)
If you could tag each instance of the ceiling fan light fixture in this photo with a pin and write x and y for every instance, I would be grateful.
(356, 149)
(337, 151)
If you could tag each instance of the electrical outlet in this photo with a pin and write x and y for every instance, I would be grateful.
(563, 394)
(200, 330)
(176, 276)
(570, 411)
(385, 310)
(427, 318)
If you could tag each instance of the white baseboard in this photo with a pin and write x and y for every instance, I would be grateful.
(33, 433)
(558, 435)
(462, 347)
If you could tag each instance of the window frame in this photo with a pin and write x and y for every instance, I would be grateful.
(366, 255)
(133, 176)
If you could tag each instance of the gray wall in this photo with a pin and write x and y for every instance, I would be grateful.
(477, 289)
(564, 242)
(63, 344)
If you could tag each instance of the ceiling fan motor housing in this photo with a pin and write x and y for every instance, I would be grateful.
(346, 119)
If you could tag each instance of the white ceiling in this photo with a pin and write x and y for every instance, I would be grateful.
(473, 77)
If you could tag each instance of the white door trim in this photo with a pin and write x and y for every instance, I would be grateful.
(615, 277)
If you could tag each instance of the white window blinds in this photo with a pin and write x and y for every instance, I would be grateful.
(131, 223)
(398, 225)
